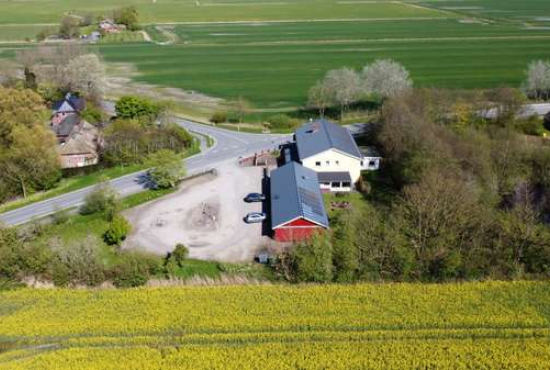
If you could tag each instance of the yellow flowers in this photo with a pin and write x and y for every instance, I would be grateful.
(393, 326)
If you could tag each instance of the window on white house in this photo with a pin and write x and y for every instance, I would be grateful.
(372, 163)
(317, 164)
(328, 163)
(346, 185)
(337, 163)
(335, 185)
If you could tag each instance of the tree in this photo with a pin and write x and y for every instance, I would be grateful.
(19, 108)
(135, 107)
(118, 229)
(85, 74)
(319, 97)
(242, 106)
(180, 254)
(386, 78)
(31, 160)
(312, 260)
(507, 103)
(345, 87)
(176, 259)
(78, 263)
(538, 79)
(127, 16)
(103, 199)
(69, 27)
(167, 168)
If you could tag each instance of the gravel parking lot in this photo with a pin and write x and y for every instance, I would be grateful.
(205, 214)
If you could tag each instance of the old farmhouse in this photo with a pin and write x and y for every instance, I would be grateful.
(78, 141)
(297, 208)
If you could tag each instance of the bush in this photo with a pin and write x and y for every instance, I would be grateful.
(135, 107)
(102, 200)
(531, 126)
(92, 115)
(117, 231)
(77, 264)
(282, 121)
(219, 117)
(180, 254)
(135, 269)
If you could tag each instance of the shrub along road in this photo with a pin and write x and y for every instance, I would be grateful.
(228, 145)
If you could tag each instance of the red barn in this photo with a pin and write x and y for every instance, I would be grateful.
(297, 208)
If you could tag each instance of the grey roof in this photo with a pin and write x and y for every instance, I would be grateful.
(65, 127)
(316, 137)
(295, 194)
(334, 176)
(370, 152)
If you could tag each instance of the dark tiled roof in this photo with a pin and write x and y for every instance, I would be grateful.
(295, 194)
(66, 127)
(334, 176)
(71, 103)
(316, 137)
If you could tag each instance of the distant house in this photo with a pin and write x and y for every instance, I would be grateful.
(331, 151)
(297, 208)
(77, 140)
(109, 26)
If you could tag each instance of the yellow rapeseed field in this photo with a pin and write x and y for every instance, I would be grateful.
(492, 325)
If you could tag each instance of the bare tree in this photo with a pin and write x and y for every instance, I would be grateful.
(386, 78)
(344, 85)
(538, 79)
(242, 106)
(49, 63)
(85, 74)
(319, 97)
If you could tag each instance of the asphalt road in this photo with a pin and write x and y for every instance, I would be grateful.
(228, 145)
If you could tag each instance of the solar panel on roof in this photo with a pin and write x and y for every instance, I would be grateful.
(310, 202)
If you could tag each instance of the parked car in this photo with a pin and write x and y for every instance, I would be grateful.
(254, 217)
(254, 197)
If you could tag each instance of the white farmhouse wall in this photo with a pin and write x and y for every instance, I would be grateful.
(334, 161)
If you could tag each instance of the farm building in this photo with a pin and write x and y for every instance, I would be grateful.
(331, 151)
(297, 208)
(78, 141)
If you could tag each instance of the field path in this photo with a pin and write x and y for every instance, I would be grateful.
(171, 37)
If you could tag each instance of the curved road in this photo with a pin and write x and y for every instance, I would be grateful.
(228, 145)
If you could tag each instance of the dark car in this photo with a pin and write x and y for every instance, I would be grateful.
(254, 197)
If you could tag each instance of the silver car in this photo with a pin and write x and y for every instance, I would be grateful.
(254, 217)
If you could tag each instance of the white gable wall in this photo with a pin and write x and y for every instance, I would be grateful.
(334, 161)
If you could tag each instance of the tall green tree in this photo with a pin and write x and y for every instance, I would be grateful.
(31, 161)
(167, 168)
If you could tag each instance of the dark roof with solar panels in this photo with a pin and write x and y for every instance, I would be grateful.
(295, 194)
(318, 136)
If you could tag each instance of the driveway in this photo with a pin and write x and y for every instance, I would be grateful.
(206, 215)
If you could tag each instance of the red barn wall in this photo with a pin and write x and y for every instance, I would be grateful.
(296, 231)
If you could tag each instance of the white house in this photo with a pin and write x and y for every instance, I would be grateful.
(331, 151)
(371, 158)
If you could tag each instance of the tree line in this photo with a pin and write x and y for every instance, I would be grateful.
(459, 197)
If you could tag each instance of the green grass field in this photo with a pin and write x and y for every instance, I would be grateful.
(489, 325)
(273, 65)
(50, 11)
(271, 52)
